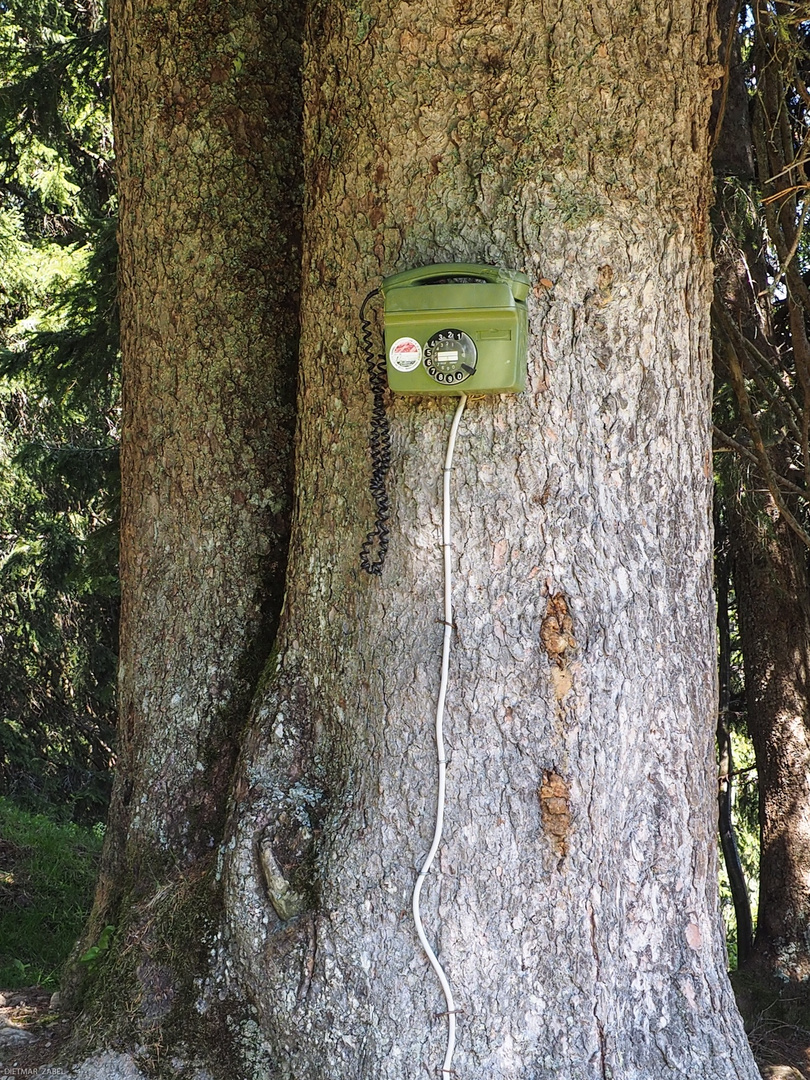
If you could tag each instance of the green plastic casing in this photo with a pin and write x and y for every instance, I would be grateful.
(490, 308)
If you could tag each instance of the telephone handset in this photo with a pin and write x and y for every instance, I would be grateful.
(456, 328)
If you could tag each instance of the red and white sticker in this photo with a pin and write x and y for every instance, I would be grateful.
(405, 354)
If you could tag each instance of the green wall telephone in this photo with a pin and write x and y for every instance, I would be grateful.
(456, 328)
(450, 328)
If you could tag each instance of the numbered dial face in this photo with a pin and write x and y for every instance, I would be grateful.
(450, 357)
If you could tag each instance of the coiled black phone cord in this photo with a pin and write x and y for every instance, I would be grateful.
(379, 446)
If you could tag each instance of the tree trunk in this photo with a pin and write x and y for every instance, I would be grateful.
(764, 356)
(725, 757)
(574, 901)
(774, 614)
(207, 126)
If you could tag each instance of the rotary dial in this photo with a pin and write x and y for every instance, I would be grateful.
(450, 357)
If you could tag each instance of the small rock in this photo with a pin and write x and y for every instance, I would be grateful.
(15, 1036)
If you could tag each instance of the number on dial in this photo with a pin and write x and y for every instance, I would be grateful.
(450, 357)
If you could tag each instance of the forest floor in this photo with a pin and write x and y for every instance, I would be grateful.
(31, 1031)
(35, 1034)
(782, 1054)
(776, 1019)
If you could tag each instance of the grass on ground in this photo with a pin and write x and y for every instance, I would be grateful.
(47, 873)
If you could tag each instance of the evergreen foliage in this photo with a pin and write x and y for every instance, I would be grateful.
(59, 394)
(762, 299)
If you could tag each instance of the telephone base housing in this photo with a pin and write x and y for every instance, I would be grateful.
(483, 303)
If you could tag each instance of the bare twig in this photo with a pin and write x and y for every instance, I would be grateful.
(785, 403)
(763, 461)
(728, 442)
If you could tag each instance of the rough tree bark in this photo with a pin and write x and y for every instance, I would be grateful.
(207, 128)
(575, 902)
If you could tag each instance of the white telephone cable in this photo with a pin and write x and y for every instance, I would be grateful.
(441, 759)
